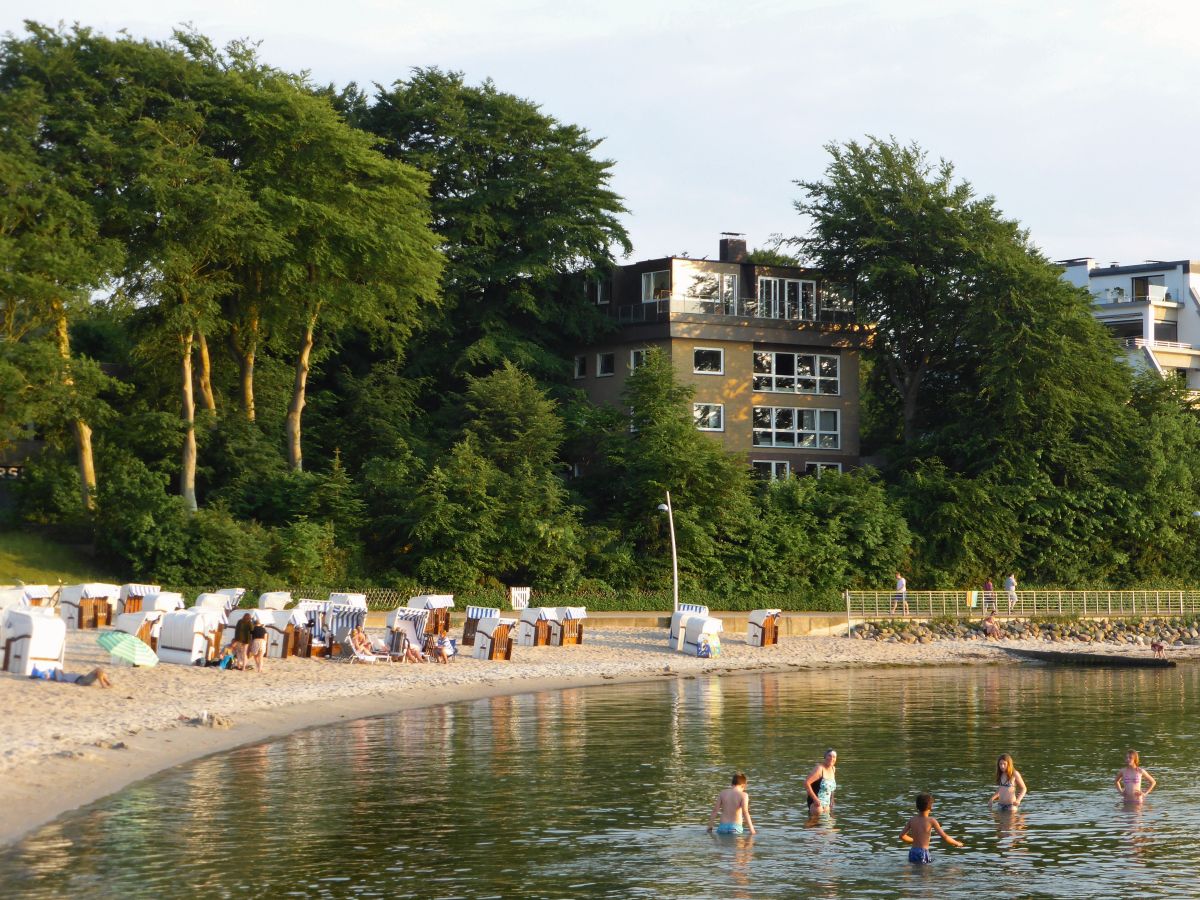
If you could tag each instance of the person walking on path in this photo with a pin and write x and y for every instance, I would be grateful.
(1010, 590)
(901, 595)
(989, 595)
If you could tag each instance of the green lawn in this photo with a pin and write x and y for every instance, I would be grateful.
(33, 559)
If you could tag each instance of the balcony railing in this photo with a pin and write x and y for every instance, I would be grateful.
(826, 309)
(1154, 293)
(1138, 343)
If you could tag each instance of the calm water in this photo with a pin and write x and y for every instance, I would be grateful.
(604, 792)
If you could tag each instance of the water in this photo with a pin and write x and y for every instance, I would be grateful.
(604, 792)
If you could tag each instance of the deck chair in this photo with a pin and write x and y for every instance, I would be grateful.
(408, 630)
(365, 656)
(475, 615)
(494, 640)
(570, 626)
(762, 628)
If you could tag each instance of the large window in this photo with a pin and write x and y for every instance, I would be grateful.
(581, 366)
(716, 292)
(656, 286)
(708, 361)
(709, 416)
(787, 298)
(796, 373)
(637, 359)
(606, 364)
(782, 426)
(772, 469)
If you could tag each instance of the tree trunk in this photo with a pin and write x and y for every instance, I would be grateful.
(83, 433)
(187, 476)
(246, 350)
(206, 391)
(295, 457)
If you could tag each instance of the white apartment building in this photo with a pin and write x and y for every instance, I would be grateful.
(1152, 308)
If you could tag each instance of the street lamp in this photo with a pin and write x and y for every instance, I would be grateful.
(666, 507)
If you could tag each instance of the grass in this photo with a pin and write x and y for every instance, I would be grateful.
(34, 559)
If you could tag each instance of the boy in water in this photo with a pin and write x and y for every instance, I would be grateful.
(733, 804)
(919, 829)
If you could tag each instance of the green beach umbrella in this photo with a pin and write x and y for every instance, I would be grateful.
(127, 648)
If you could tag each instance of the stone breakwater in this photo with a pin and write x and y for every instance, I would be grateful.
(1134, 632)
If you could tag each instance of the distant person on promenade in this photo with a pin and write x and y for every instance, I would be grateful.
(821, 783)
(920, 829)
(1129, 779)
(732, 808)
(901, 595)
(989, 595)
(1010, 786)
(258, 644)
(1010, 590)
(990, 628)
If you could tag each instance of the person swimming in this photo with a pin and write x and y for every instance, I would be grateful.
(1129, 779)
(732, 806)
(1010, 786)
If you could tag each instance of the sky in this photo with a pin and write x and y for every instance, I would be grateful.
(1077, 116)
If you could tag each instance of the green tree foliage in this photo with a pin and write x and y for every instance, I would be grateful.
(520, 200)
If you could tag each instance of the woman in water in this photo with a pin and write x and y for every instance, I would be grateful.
(1129, 779)
(1010, 786)
(821, 784)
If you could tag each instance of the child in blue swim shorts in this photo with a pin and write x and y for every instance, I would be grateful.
(919, 830)
(732, 807)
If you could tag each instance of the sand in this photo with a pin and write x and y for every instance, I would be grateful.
(62, 745)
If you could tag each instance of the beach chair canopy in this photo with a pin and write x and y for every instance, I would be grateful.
(93, 590)
(358, 601)
(235, 595)
(487, 626)
(431, 601)
(131, 623)
(679, 622)
(274, 599)
(411, 624)
(540, 614)
(32, 637)
(165, 601)
(188, 636)
(14, 596)
(137, 590)
(572, 612)
(211, 601)
(31, 592)
(483, 612)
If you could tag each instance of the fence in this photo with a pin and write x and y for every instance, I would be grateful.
(965, 604)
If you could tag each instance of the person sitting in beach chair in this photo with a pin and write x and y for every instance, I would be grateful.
(361, 649)
(443, 649)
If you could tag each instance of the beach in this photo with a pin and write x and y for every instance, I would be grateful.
(64, 746)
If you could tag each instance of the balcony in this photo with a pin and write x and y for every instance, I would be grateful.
(826, 309)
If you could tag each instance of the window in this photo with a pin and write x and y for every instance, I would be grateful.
(581, 366)
(781, 426)
(708, 361)
(816, 468)
(716, 292)
(603, 291)
(656, 286)
(637, 359)
(796, 373)
(772, 469)
(709, 416)
(787, 298)
(606, 364)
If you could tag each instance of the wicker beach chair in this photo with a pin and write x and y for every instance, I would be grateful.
(569, 626)
(31, 637)
(536, 625)
(494, 640)
(762, 628)
(476, 614)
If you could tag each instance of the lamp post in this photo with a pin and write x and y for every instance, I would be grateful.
(666, 507)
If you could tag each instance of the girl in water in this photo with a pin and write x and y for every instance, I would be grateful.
(1010, 786)
(821, 784)
(1129, 779)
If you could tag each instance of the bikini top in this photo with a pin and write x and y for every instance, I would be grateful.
(1134, 777)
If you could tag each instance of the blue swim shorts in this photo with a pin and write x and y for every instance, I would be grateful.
(919, 855)
(729, 828)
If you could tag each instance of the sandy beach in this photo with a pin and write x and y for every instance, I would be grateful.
(63, 746)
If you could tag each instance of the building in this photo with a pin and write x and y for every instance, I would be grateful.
(772, 353)
(1153, 309)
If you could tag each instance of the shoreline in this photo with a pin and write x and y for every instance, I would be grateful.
(66, 746)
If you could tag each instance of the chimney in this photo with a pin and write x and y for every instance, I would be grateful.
(733, 247)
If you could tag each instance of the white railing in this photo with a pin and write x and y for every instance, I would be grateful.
(976, 603)
(826, 309)
(1135, 343)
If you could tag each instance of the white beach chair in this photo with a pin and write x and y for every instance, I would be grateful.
(476, 614)
(281, 625)
(358, 601)
(38, 595)
(130, 597)
(274, 599)
(568, 629)
(31, 637)
(91, 605)
(536, 626)
(439, 606)
(163, 601)
(493, 640)
(685, 611)
(233, 597)
(698, 630)
(189, 637)
(762, 628)
(406, 628)
(142, 625)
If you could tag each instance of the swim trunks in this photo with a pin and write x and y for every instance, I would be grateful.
(919, 855)
(729, 828)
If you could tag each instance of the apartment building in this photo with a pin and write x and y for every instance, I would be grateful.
(772, 353)
(1152, 308)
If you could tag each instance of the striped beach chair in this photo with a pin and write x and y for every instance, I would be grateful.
(439, 606)
(536, 625)
(475, 615)
(341, 620)
(406, 628)
(130, 598)
(762, 628)
(569, 626)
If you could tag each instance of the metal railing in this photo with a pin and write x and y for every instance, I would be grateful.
(1137, 343)
(826, 309)
(1019, 604)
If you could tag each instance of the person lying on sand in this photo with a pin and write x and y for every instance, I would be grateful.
(97, 677)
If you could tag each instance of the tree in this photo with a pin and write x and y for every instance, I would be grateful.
(909, 242)
(519, 200)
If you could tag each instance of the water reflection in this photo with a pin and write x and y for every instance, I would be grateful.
(605, 793)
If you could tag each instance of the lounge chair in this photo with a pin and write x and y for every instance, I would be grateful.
(476, 614)
(31, 637)
(369, 656)
(762, 628)
(493, 640)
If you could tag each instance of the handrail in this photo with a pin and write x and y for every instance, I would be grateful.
(1135, 342)
(971, 603)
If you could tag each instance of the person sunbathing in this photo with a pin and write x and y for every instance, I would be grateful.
(97, 677)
